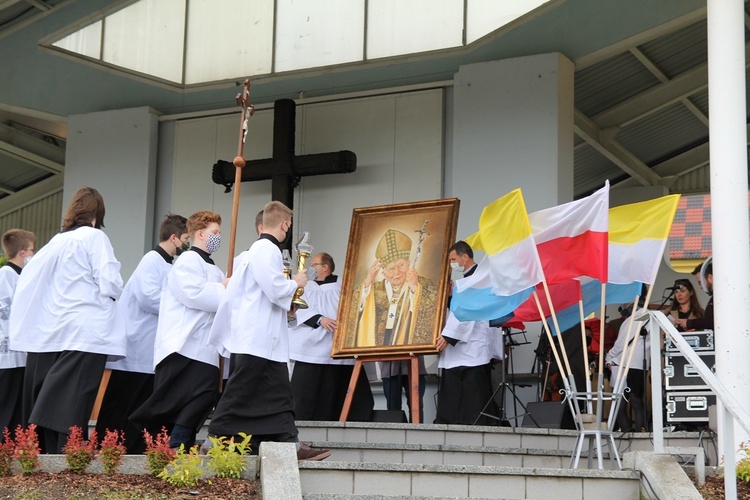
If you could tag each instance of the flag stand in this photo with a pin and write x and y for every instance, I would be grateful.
(599, 432)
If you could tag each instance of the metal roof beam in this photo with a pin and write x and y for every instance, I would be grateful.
(7, 189)
(654, 99)
(586, 129)
(657, 97)
(680, 164)
(31, 194)
(30, 158)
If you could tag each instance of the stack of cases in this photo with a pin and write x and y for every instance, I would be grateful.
(688, 396)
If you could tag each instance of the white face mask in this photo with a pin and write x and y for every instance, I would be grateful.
(26, 260)
(456, 267)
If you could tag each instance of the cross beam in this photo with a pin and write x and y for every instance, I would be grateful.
(285, 168)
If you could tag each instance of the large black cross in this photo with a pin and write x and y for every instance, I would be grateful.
(285, 168)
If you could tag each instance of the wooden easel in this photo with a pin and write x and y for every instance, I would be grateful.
(413, 383)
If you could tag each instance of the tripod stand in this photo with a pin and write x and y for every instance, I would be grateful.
(509, 343)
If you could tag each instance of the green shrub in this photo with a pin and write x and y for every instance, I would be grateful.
(743, 465)
(227, 458)
(186, 468)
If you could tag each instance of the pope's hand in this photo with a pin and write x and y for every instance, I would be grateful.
(412, 279)
(372, 272)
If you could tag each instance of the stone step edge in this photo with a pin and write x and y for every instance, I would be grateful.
(472, 469)
(354, 496)
(441, 448)
(312, 424)
(131, 464)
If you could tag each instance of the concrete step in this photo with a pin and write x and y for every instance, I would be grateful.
(433, 461)
(364, 480)
(438, 454)
(478, 436)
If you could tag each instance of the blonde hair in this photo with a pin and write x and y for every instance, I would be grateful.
(16, 240)
(274, 213)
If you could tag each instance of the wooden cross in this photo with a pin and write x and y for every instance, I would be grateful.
(285, 168)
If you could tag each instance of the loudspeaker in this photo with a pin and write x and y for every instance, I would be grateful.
(392, 416)
(549, 415)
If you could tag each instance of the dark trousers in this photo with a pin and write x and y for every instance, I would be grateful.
(392, 388)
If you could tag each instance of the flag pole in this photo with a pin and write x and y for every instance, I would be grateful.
(602, 327)
(551, 341)
(559, 333)
(589, 406)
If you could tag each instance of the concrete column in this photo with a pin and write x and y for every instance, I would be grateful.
(729, 197)
(115, 152)
(512, 127)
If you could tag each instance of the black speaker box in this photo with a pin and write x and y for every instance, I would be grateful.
(393, 416)
(549, 415)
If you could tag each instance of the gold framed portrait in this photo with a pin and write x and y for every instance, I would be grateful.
(396, 279)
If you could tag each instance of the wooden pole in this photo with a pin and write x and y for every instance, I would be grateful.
(239, 163)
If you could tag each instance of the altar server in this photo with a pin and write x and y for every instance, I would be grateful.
(186, 379)
(131, 381)
(466, 352)
(251, 328)
(320, 382)
(18, 246)
(63, 316)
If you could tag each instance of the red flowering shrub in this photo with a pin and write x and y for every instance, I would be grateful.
(78, 452)
(27, 448)
(7, 448)
(112, 450)
(158, 453)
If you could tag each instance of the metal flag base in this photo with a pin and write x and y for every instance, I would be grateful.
(592, 429)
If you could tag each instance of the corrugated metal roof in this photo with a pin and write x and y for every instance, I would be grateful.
(591, 170)
(663, 134)
(700, 99)
(695, 181)
(678, 51)
(609, 82)
(18, 174)
(41, 217)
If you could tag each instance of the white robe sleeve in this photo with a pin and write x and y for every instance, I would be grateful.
(459, 330)
(190, 286)
(148, 287)
(266, 267)
(105, 267)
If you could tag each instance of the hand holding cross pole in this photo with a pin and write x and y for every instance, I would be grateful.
(239, 162)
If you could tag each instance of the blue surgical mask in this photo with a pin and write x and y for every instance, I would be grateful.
(456, 267)
(213, 242)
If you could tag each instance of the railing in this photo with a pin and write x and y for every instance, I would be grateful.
(731, 408)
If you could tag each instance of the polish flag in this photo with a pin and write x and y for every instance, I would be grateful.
(572, 239)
